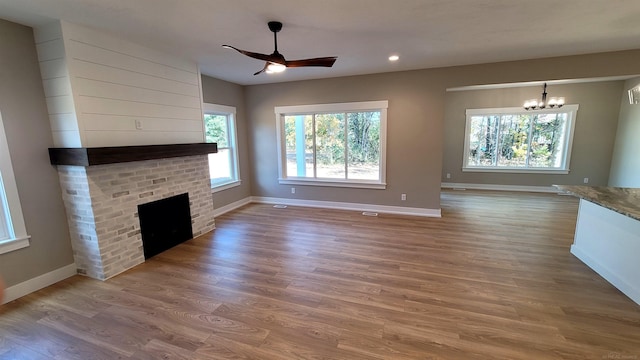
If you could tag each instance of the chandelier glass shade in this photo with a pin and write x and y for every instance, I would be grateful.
(534, 104)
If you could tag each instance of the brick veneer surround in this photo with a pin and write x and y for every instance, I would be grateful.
(102, 207)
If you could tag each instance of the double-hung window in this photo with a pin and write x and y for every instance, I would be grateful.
(13, 234)
(516, 140)
(220, 128)
(333, 144)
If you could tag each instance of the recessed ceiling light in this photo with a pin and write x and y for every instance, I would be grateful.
(394, 58)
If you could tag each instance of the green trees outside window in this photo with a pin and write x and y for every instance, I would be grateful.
(343, 145)
(521, 140)
(219, 126)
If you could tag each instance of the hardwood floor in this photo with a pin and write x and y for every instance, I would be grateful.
(492, 279)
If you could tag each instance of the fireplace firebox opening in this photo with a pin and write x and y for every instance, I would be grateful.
(164, 224)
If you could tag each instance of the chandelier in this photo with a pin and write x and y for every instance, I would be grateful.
(534, 104)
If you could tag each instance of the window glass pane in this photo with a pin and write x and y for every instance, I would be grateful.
(216, 129)
(363, 145)
(514, 140)
(5, 232)
(330, 146)
(13, 232)
(298, 133)
(547, 140)
(335, 144)
(220, 166)
(519, 140)
(220, 128)
(483, 140)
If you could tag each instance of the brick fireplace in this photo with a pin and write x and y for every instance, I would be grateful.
(102, 207)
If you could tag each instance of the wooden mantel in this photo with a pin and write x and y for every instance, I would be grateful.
(118, 154)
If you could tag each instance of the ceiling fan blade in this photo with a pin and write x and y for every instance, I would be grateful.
(278, 59)
(250, 54)
(263, 69)
(323, 61)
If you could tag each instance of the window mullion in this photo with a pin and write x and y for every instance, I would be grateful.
(229, 145)
(498, 142)
(526, 164)
(313, 137)
(346, 146)
(565, 135)
(228, 123)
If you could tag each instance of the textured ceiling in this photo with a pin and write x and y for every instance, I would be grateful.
(362, 33)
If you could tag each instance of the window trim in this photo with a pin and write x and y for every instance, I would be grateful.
(282, 111)
(571, 109)
(18, 237)
(230, 112)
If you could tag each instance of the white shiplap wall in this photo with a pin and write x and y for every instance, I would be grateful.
(116, 85)
(57, 86)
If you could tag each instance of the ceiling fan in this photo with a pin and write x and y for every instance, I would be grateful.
(276, 61)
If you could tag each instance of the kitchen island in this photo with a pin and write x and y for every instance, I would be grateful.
(607, 237)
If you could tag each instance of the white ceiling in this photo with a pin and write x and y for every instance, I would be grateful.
(362, 33)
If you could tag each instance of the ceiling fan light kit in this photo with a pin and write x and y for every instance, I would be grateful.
(275, 62)
(275, 68)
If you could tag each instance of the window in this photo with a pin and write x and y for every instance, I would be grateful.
(516, 140)
(13, 234)
(333, 144)
(220, 128)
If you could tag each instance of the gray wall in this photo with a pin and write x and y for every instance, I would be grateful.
(593, 140)
(225, 93)
(414, 141)
(26, 123)
(417, 142)
(625, 166)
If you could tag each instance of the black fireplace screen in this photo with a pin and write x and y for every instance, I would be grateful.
(164, 224)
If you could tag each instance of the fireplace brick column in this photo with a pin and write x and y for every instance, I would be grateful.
(102, 207)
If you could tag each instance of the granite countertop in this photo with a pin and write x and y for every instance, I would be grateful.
(625, 201)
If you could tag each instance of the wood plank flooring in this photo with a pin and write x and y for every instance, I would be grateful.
(492, 279)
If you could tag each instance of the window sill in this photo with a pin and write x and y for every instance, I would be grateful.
(334, 183)
(225, 186)
(14, 244)
(516, 170)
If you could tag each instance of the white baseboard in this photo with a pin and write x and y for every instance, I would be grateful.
(39, 282)
(350, 206)
(498, 187)
(230, 207)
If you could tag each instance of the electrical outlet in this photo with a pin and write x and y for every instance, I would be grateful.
(293, 190)
(448, 176)
(586, 180)
(403, 197)
(138, 123)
